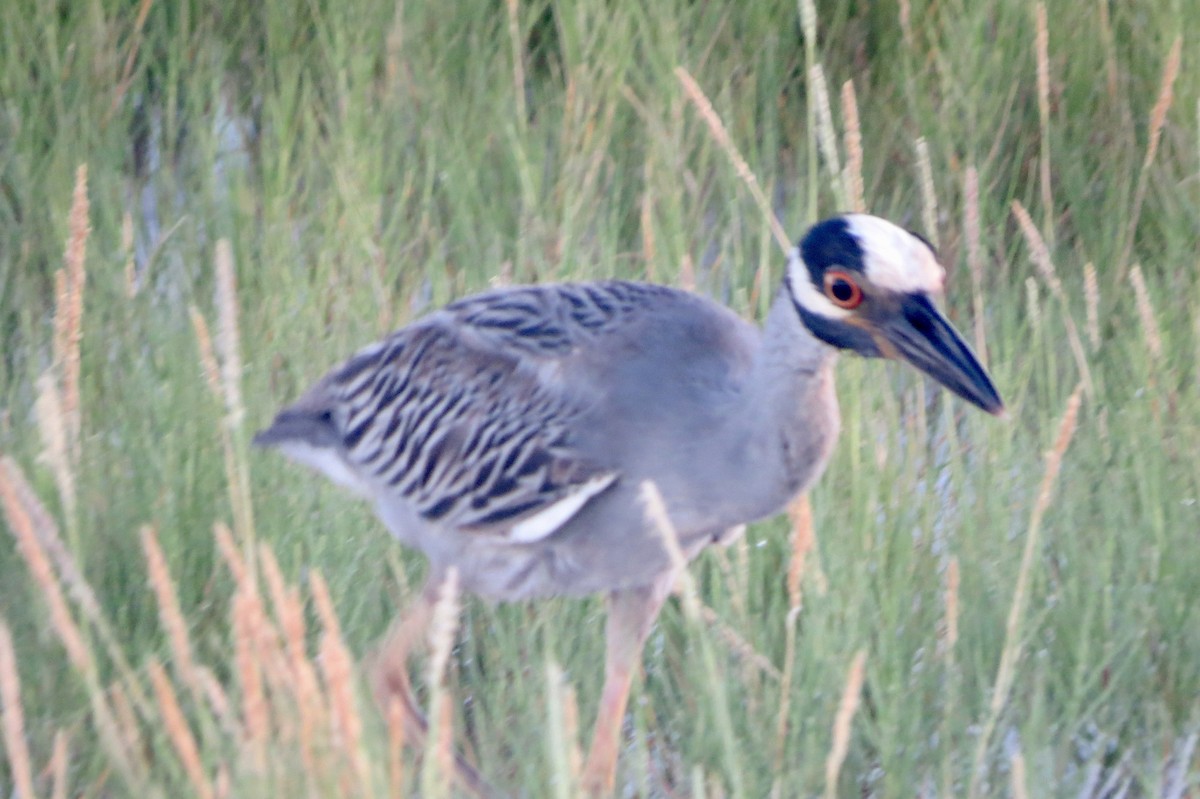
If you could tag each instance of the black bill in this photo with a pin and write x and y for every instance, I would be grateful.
(925, 338)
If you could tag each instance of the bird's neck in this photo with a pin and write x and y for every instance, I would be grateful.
(790, 353)
(792, 401)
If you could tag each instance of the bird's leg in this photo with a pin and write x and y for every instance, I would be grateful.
(390, 682)
(631, 614)
(388, 667)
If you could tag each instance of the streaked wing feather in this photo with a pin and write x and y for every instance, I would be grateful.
(461, 414)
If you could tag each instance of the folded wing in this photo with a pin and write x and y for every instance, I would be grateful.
(463, 416)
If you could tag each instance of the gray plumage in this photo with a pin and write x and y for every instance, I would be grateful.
(509, 433)
(468, 424)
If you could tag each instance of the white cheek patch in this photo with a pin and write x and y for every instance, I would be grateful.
(327, 462)
(895, 259)
(806, 295)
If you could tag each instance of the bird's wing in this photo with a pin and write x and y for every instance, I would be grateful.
(463, 415)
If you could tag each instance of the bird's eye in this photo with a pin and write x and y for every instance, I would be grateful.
(842, 290)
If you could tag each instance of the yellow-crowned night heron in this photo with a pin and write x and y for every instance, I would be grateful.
(508, 434)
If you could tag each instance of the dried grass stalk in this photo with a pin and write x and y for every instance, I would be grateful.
(277, 589)
(1019, 782)
(951, 638)
(68, 320)
(56, 447)
(1146, 314)
(737, 644)
(656, 513)
(518, 56)
(62, 301)
(123, 740)
(906, 23)
(1045, 265)
(170, 615)
(1042, 51)
(17, 497)
(13, 712)
(741, 551)
(826, 137)
(803, 540)
(125, 720)
(1166, 96)
(1033, 305)
(208, 361)
(841, 723)
(649, 247)
(395, 758)
(853, 178)
(131, 278)
(443, 627)
(268, 647)
(438, 765)
(723, 139)
(338, 670)
(735, 593)
(255, 712)
(808, 22)
(228, 338)
(178, 731)
(289, 617)
(559, 741)
(929, 201)
(224, 380)
(1158, 118)
(229, 551)
(972, 228)
(1112, 71)
(785, 692)
(46, 532)
(218, 700)
(808, 27)
(571, 731)
(1006, 671)
(687, 273)
(802, 543)
(439, 759)
(394, 48)
(337, 667)
(1039, 252)
(223, 787)
(1196, 337)
(57, 766)
(1091, 296)
(302, 676)
(135, 42)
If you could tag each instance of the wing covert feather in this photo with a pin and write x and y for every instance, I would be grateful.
(461, 413)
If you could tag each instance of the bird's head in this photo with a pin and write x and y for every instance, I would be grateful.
(861, 283)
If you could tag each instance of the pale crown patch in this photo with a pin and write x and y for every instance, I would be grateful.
(895, 259)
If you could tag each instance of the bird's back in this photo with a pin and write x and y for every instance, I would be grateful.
(510, 430)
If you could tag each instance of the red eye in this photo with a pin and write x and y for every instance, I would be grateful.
(842, 290)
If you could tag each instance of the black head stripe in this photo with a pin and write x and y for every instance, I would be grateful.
(830, 244)
(838, 333)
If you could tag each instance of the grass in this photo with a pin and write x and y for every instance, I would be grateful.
(181, 616)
